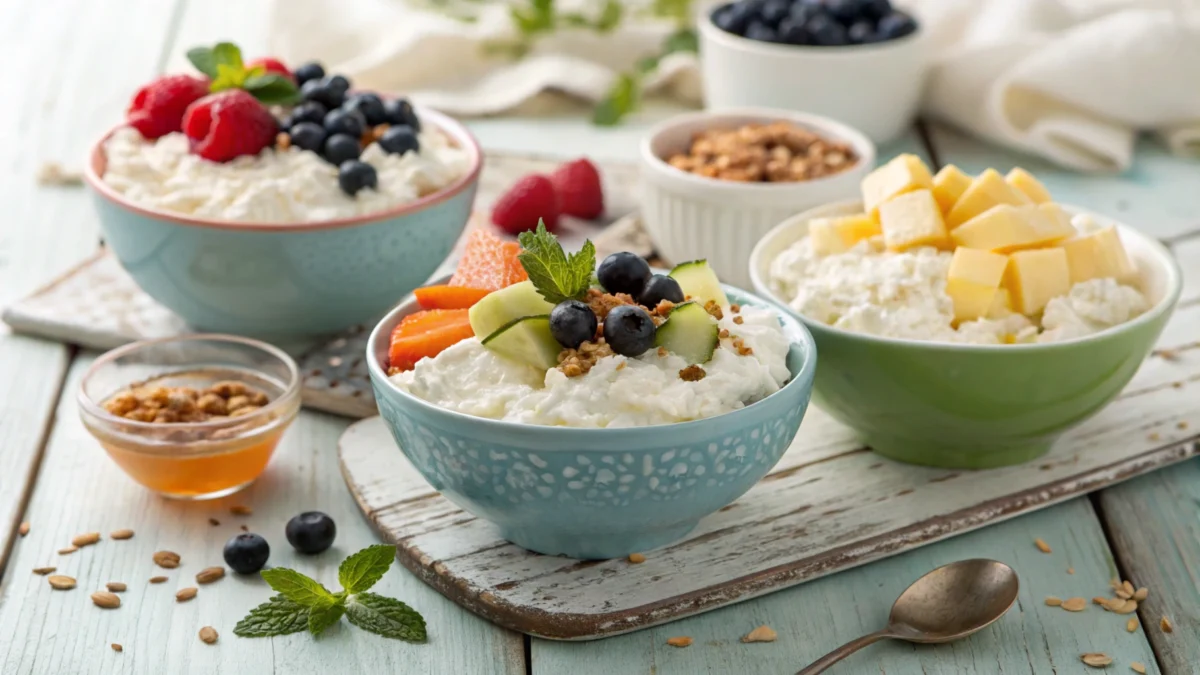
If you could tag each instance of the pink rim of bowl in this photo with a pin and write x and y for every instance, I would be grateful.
(97, 162)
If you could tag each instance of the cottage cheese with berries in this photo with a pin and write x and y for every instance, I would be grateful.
(276, 185)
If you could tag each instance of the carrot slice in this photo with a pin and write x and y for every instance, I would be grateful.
(427, 334)
(449, 297)
(488, 262)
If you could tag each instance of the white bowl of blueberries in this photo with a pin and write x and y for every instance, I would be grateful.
(862, 62)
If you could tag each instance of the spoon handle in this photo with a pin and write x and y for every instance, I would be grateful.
(842, 652)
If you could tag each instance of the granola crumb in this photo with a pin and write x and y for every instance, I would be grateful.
(739, 320)
(23, 529)
(116, 647)
(662, 351)
(283, 141)
(723, 333)
(602, 303)
(1070, 570)
(714, 309)
(1041, 545)
(1154, 436)
(740, 346)
(1182, 425)
(214, 522)
(637, 558)
(1131, 625)
(693, 373)
(577, 362)
(681, 641)
(1166, 626)
(663, 308)
(240, 510)
(763, 633)
(771, 152)
(735, 308)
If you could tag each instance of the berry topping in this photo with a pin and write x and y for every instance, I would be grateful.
(629, 330)
(774, 11)
(578, 186)
(895, 25)
(572, 322)
(343, 121)
(370, 105)
(322, 92)
(339, 82)
(309, 71)
(660, 287)
(157, 109)
(229, 124)
(247, 553)
(309, 111)
(271, 65)
(311, 532)
(341, 148)
(860, 33)
(400, 111)
(814, 22)
(826, 31)
(266, 79)
(308, 136)
(354, 175)
(398, 140)
(531, 198)
(624, 272)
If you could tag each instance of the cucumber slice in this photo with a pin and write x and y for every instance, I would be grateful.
(698, 280)
(505, 305)
(527, 340)
(690, 332)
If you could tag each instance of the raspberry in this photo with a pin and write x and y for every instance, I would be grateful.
(578, 186)
(519, 209)
(157, 108)
(271, 66)
(229, 124)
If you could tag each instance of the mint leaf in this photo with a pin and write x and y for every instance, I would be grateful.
(271, 88)
(556, 276)
(360, 571)
(622, 98)
(277, 616)
(320, 618)
(228, 54)
(296, 587)
(385, 616)
(610, 16)
(204, 60)
(227, 78)
(683, 40)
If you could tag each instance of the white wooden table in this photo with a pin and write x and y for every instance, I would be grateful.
(71, 67)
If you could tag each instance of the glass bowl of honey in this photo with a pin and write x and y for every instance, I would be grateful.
(191, 417)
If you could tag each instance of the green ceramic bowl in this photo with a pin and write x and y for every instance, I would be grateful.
(974, 406)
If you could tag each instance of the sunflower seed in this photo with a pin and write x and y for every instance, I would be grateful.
(106, 600)
(1096, 659)
(1129, 607)
(1121, 593)
(86, 539)
(761, 634)
(1166, 626)
(209, 575)
(60, 582)
(1074, 604)
(115, 586)
(121, 534)
(1128, 588)
(68, 550)
(23, 529)
(157, 580)
(1141, 594)
(167, 559)
(681, 641)
(117, 648)
(1041, 545)
(1131, 625)
(185, 594)
(43, 570)
(1053, 601)
(1137, 667)
(208, 635)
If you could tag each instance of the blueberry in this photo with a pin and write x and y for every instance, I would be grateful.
(572, 322)
(322, 92)
(311, 531)
(339, 82)
(895, 25)
(761, 32)
(845, 11)
(309, 111)
(624, 272)
(398, 140)
(824, 30)
(370, 105)
(732, 18)
(353, 176)
(792, 32)
(247, 553)
(629, 330)
(308, 136)
(774, 11)
(875, 9)
(400, 111)
(861, 33)
(340, 148)
(343, 121)
(802, 12)
(660, 287)
(309, 71)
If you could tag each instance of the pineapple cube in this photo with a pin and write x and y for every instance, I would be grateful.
(1034, 277)
(904, 173)
(986, 191)
(1005, 228)
(837, 235)
(912, 219)
(973, 280)
(1099, 254)
(948, 185)
(1001, 304)
(1026, 183)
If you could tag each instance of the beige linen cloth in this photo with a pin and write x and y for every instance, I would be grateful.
(1074, 81)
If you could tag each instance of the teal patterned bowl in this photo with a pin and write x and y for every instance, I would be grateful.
(279, 281)
(595, 493)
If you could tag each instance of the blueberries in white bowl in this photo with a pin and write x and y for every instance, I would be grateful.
(822, 23)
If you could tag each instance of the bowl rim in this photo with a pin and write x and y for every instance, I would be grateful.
(1164, 306)
(712, 31)
(97, 161)
(825, 126)
(804, 340)
(90, 408)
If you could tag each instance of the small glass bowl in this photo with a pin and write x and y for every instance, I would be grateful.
(192, 460)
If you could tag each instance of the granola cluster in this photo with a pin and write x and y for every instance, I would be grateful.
(771, 153)
(168, 405)
(577, 362)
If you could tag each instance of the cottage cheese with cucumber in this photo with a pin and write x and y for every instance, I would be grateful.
(954, 258)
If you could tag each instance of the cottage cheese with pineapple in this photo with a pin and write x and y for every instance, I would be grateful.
(617, 391)
(275, 186)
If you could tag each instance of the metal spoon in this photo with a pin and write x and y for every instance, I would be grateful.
(949, 603)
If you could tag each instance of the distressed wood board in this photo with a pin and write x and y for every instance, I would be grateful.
(829, 505)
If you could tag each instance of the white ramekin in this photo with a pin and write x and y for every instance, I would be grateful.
(689, 217)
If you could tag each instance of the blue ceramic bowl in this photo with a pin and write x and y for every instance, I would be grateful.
(595, 493)
(286, 280)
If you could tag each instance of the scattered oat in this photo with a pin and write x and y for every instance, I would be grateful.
(214, 522)
(1131, 625)
(185, 594)
(1166, 625)
(1103, 602)
(637, 558)
(693, 373)
(1137, 667)
(1182, 425)
(54, 174)
(208, 635)
(761, 634)
(68, 550)
(86, 539)
(1070, 570)
(1141, 594)
(23, 529)
(209, 575)
(115, 587)
(1154, 436)
(240, 510)
(738, 320)
(1053, 601)
(1096, 659)
(60, 582)
(117, 648)
(106, 600)
(167, 559)
(1129, 607)
(157, 580)
(681, 641)
(121, 534)
(1041, 545)
(245, 529)
(43, 570)
(1074, 604)
(1166, 354)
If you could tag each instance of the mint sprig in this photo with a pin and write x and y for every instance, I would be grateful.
(223, 65)
(303, 603)
(555, 275)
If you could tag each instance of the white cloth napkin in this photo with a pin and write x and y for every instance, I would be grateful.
(1071, 80)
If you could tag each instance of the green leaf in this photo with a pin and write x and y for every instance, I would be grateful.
(277, 616)
(204, 60)
(227, 53)
(272, 88)
(227, 78)
(386, 617)
(621, 100)
(683, 40)
(610, 16)
(360, 571)
(296, 587)
(556, 276)
(320, 618)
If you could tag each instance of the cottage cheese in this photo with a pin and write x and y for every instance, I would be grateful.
(616, 392)
(275, 186)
